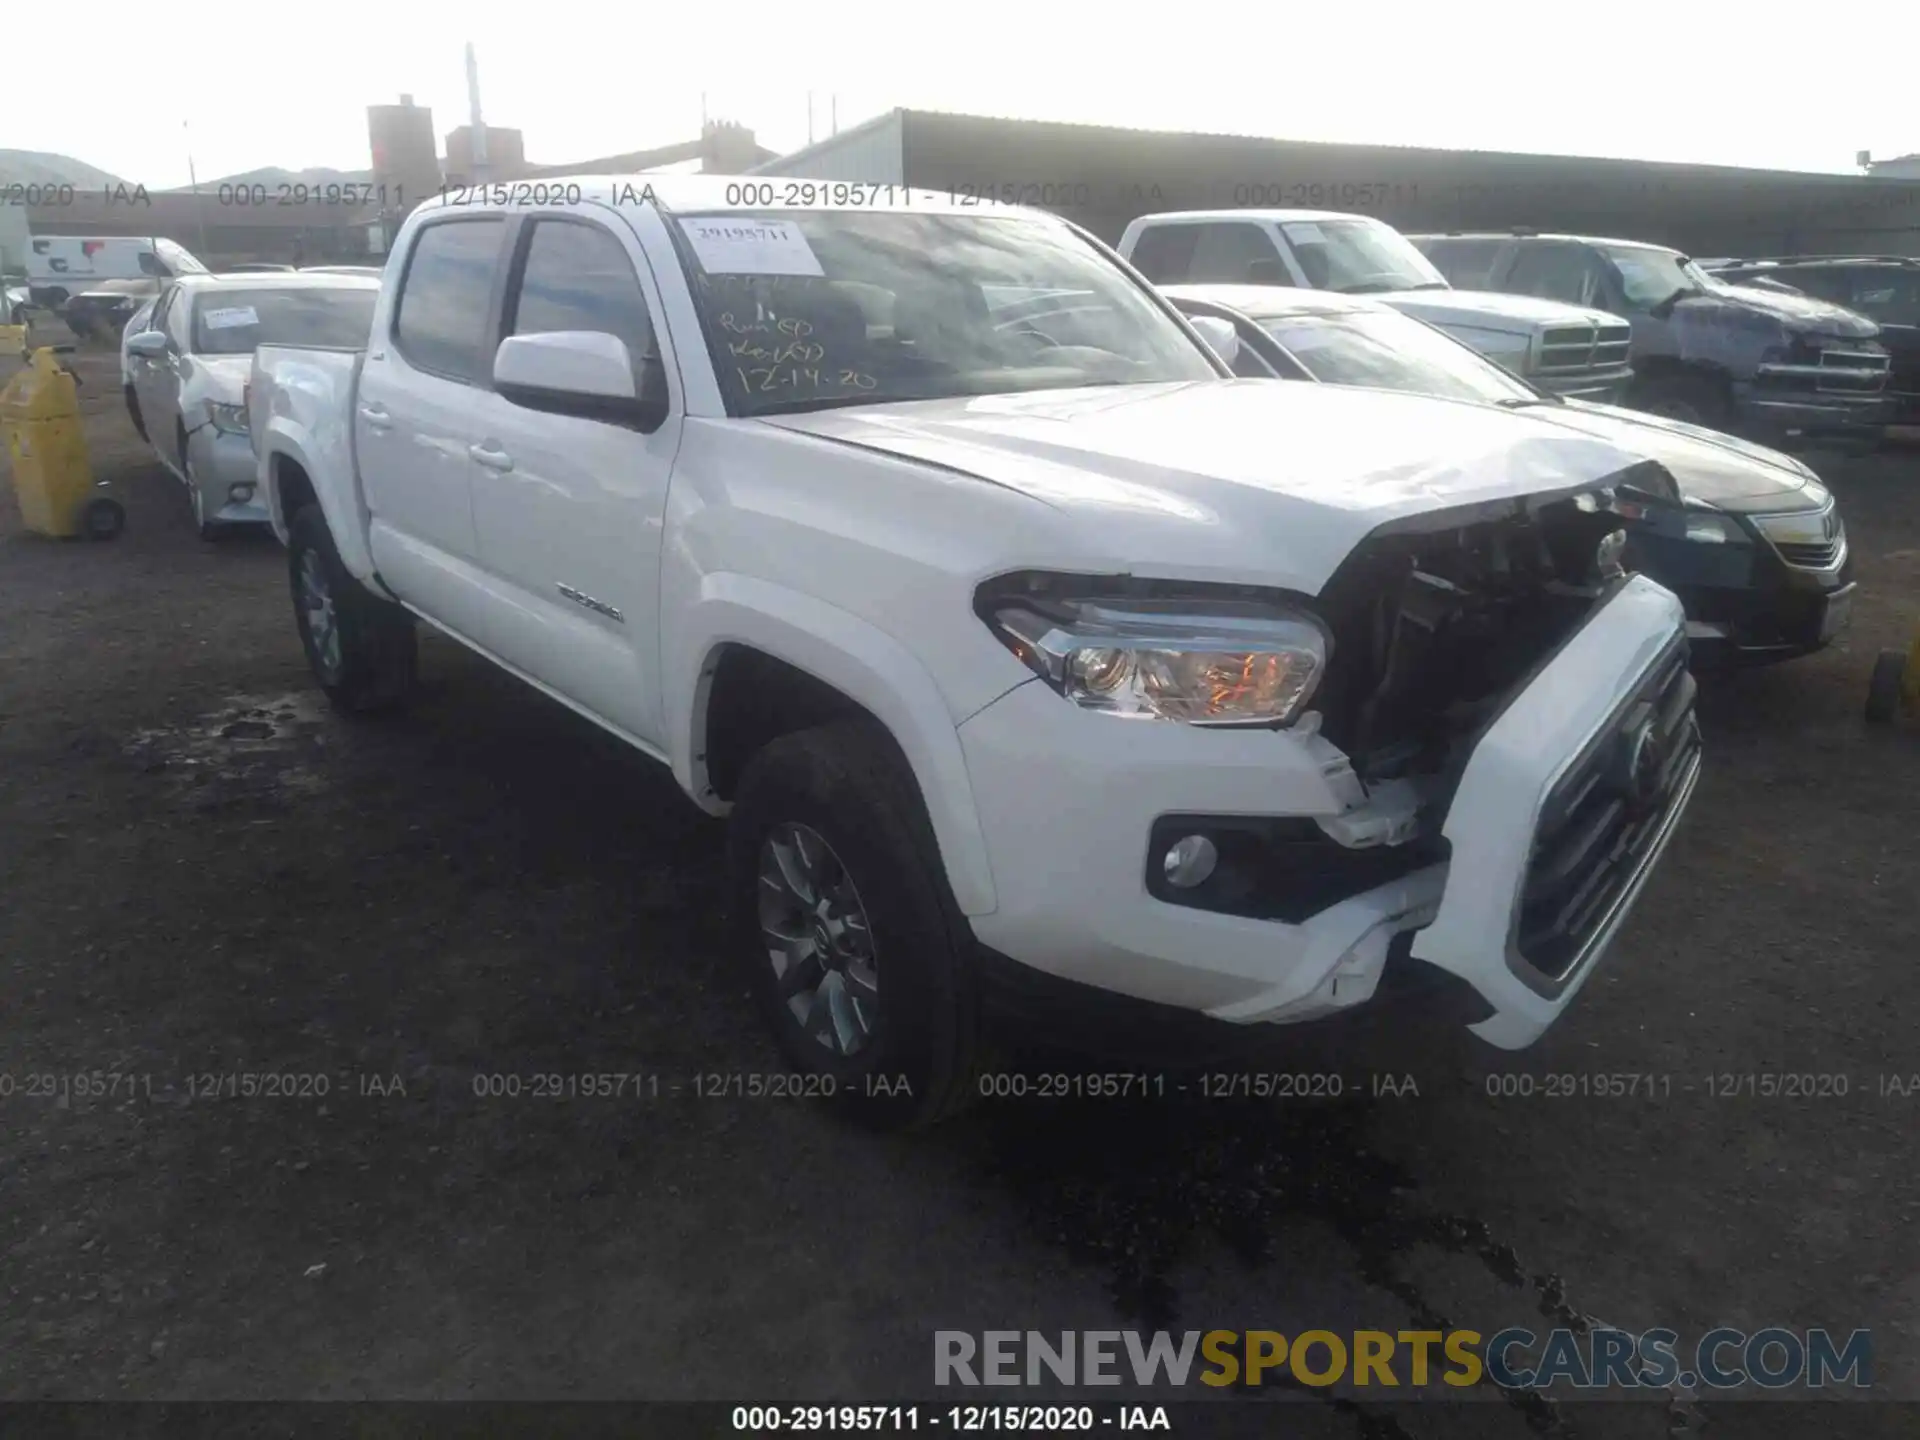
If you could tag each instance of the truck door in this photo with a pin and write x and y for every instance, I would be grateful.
(413, 417)
(568, 510)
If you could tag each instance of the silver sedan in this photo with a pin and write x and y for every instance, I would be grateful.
(185, 364)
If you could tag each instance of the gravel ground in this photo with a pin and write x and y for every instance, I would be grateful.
(205, 872)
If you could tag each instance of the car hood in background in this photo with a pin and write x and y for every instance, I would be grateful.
(1720, 470)
(1801, 312)
(1521, 314)
(1247, 481)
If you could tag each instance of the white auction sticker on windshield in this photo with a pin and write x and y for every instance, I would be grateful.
(751, 247)
(231, 317)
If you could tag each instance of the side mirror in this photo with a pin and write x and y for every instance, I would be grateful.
(586, 373)
(1220, 336)
(152, 344)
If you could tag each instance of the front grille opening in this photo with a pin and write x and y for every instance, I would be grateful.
(1433, 632)
(1602, 820)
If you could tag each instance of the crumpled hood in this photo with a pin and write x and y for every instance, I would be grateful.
(1244, 481)
(1801, 312)
(1708, 465)
(1517, 314)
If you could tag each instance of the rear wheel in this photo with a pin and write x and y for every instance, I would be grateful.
(103, 519)
(361, 648)
(856, 952)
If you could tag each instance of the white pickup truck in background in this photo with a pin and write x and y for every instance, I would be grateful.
(1563, 349)
(1027, 651)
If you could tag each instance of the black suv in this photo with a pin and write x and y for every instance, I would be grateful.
(1884, 288)
(1761, 362)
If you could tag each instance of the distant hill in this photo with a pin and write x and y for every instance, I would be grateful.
(40, 167)
(273, 175)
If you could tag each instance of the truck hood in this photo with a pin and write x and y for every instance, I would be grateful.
(220, 379)
(1515, 314)
(1242, 481)
(1713, 468)
(1800, 312)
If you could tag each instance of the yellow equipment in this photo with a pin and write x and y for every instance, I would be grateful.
(52, 478)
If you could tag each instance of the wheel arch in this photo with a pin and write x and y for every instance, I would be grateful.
(744, 637)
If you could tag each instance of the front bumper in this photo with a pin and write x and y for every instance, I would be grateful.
(1067, 800)
(1786, 408)
(220, 462)
(1745, 605)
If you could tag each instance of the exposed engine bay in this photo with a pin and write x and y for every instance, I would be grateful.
(1434, 628)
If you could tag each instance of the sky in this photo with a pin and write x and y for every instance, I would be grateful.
(1645, 79)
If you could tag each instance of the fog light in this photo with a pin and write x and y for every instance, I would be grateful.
(240, 494)
(1190, 861)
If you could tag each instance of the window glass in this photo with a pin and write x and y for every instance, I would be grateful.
(1386, 350)
(175, 321)
(809, 308)
(442, 308)
(1467, 264)
(1236, 253)
(1164, 253)
(1554, 271)
(235, 322)
(1649, 277)
(1358, 256)
(578, 277)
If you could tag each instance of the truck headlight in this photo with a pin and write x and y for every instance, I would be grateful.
(228, 419)
(1199, 663)
(1712, 528)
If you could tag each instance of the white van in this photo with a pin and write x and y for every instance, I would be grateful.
(61, 266)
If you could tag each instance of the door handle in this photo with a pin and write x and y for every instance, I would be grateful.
(491, 456)
(376, 417)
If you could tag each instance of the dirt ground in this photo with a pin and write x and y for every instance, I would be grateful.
(206, 873)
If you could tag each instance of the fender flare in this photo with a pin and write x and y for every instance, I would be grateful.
(344, 519)
(856, 658)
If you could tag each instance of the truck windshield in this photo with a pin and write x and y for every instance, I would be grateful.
(1359, 256)
(1389, 351)
(234, 322)
(805, 309)
(1649, 277)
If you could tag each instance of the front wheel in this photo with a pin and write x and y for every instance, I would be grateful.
(856, 952)
(1883, 688)
(361, 648)
(1686, 398)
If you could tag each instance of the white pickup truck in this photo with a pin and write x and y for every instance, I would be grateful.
(1570, 350)
(1034, 659)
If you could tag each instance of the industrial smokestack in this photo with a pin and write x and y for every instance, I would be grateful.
(473, 110)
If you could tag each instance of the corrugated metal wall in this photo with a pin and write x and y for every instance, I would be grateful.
(1103, 177)
(874, 151)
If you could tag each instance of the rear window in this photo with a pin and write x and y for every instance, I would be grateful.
(234, 322)
(1467, 264)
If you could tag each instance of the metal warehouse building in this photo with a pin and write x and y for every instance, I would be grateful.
(1103, 176)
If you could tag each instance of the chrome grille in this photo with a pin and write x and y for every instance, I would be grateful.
(1806, 539)
(1604, 820)
(1567, 347)
(1843, 369)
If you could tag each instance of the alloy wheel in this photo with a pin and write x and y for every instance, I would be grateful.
(818, 939)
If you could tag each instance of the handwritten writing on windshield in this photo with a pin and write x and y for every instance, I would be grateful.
(789, 360)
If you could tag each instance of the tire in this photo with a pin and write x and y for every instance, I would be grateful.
(1685, 398)
(212, 532)
(373, 658)
(1883, 690)
(847, 784)
(103, 519)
